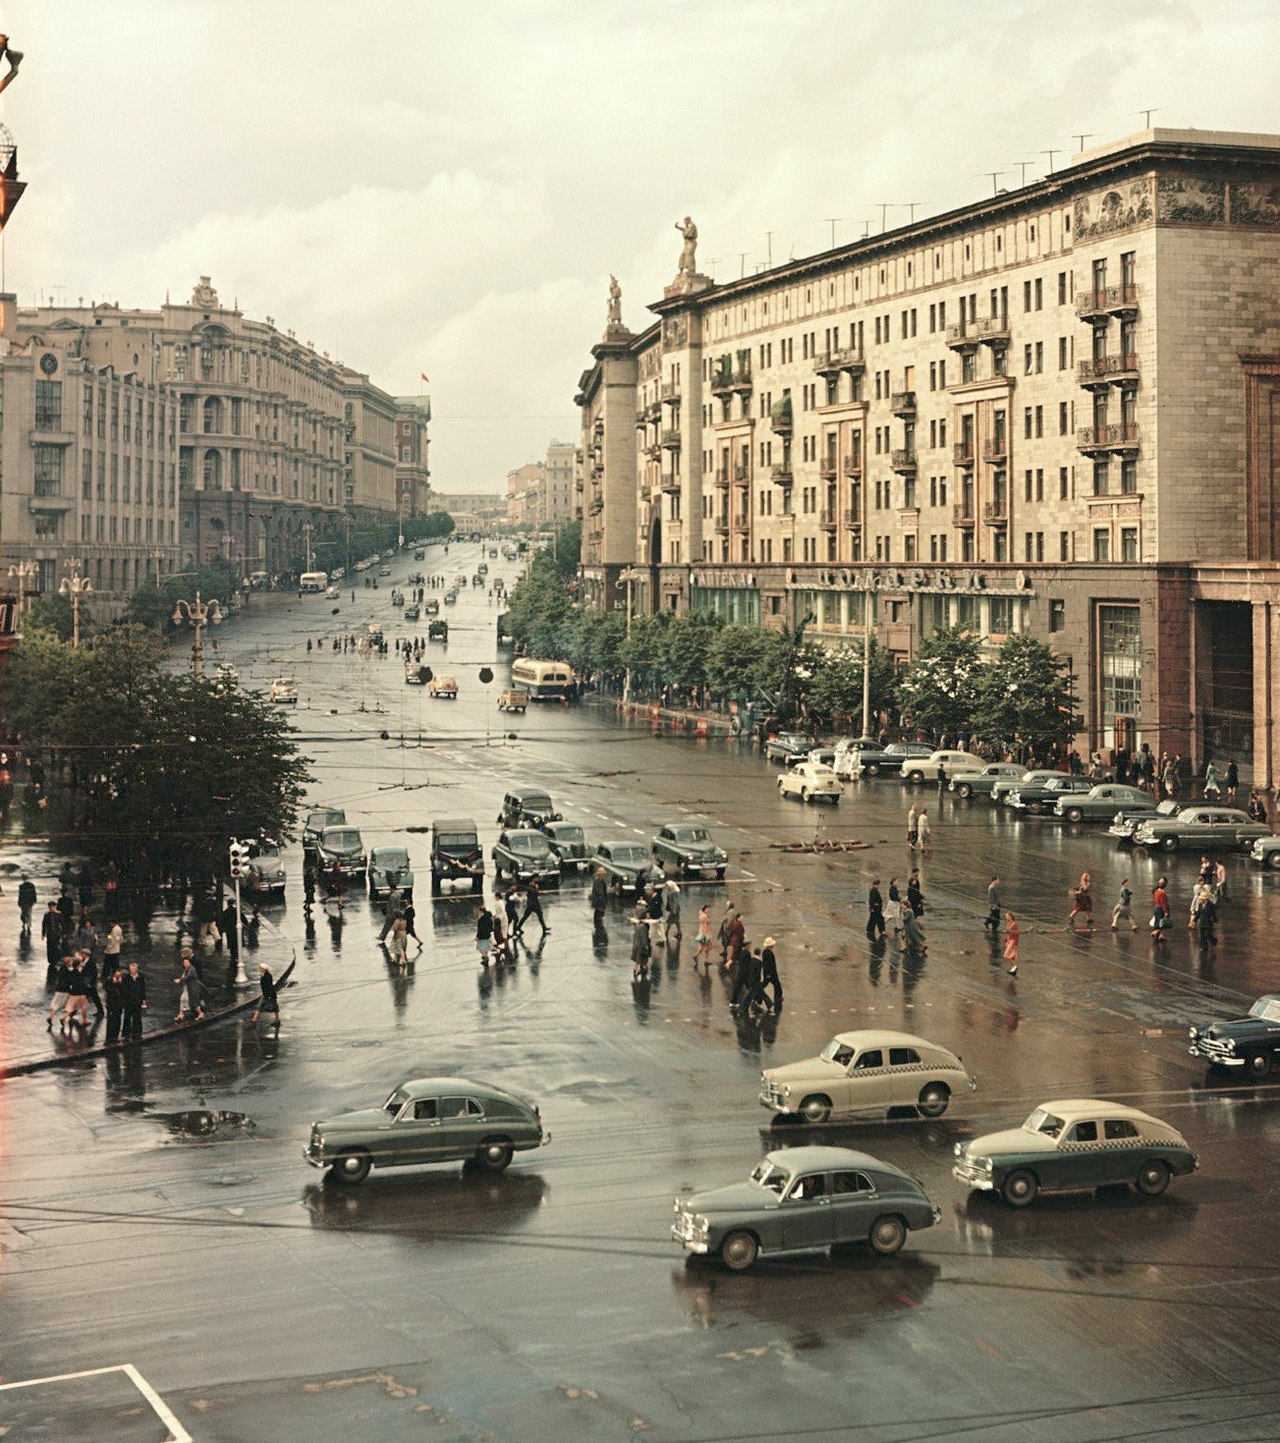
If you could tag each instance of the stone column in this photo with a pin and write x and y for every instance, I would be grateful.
(1266, 658)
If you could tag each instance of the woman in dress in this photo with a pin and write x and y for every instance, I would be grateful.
(1081, 903)
(703, 953)
(1012, 934)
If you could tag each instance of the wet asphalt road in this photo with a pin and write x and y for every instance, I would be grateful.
(158, 1211)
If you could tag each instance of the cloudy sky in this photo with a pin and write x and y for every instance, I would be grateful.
(445, 187)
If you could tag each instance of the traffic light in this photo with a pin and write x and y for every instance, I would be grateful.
(239, 857)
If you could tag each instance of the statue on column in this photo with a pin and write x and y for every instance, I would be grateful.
(615, 302)
(689, 250)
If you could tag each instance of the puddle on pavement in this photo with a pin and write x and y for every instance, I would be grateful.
(201, 1123)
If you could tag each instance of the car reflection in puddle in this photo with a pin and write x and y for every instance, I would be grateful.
(433, 1208)
(814, 1296)
(204, 1125)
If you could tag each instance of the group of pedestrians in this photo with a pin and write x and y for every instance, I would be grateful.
(752, 970)
(903, 916)
(500, 927)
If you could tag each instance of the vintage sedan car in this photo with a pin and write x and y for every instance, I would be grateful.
(1125, 823)
(524, 853)
(1073, 1146)
(451, 597)
(527, 807)
(811, 782)
(981, 784)
(1037, 797)
(318, 818)
(428, 1119)
(416, 674)
(1000, 792)
(925, 769)
(852, 756)
(1251, 1042)
(431, 606)
(456, 854)
(444, 686)
(331, 593)
(689, 850)
(1103, 801)
(283, 691)
(341, 843)
(1201, 827)
(513, 700)
(895, 757)
(438, 630)
(389, 867)
(384, 571)
(265, 868)
(628, 866)
(801, 1199)
(1265, 852)
(413, 612)
(569, 844)
(866, 1074)
(788, 748)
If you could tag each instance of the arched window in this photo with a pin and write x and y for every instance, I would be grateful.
(213, 470)
(212, 415)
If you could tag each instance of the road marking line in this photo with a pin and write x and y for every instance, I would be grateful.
(177, 1433)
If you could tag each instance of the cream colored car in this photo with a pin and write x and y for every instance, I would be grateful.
(867, 1074)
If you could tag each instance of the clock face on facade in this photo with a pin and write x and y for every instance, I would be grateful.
(48, 363)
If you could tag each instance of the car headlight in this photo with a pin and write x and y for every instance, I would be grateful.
(1231, 1044)
(958, 1149)
(983, 1164)
(675, 1205)
(1193, 1033)
(786, 1091)
(701, 1224)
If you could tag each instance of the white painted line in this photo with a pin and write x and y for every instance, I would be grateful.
(745, 873)
(177, 1433)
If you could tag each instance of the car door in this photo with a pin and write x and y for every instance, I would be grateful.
(408, 1139)
(905, 1072)
(458, 1128)
(854, 1206)
(870, 1082)
(1080, 1160)
(806, 1212)
(1124, 1149)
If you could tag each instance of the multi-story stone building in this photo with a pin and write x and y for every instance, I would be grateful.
(88, 465)
(545, 493)
(277, 444)
(1051, 412)
(413, 471)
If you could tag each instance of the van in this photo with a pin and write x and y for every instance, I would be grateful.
(312, 583)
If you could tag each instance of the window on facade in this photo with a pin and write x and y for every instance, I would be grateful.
(1128, 543)
(48, 405)
(1064, 546)
(1129, 477)
(1101, 478)
(1101, 544)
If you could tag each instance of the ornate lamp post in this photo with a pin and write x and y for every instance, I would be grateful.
(199, 614)
(75, 586)
(23, 572)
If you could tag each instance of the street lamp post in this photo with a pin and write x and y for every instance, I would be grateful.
(23, 572)
(199, 614)
(75, 586)
(867, 597)
(306, 526)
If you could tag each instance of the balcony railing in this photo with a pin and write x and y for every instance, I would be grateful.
(722, 476)
(1103, 370)
(1107, 301)
(741, 520)
(670, 391)
(671, 484)
(853, 520)
(781, 475)
(904, 462)
(642, 417)
(1121, 437)
(742, 475)
(962, 453)
(829, 518)
(995, 450)
(722, 525)
(827, 468)
(670, 438)
(725, 380)
(847, 359)
(996, 513)
(903, 403)
(962, 514)
(596, 506)
(851, 466)
(654, 452)
(993, 330)
(961, 337)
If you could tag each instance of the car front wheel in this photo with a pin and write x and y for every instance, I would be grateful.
(804, 794)
(351, 1167)
(1153, 1178)
(494, 1153)
(872, 769)
(1074, 814)
(738, 1251)
(815, 1109)
(915, 778)
(887, 1235)
(1170, 844)
(1020, 1189)
(933, 1099)
(1273, 859)
(964, 790)
(1259, 1064)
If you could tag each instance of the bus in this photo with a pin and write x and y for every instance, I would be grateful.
(543, 680)
(311, 582)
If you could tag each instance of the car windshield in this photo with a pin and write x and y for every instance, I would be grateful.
(1042, 1121)
(632, 853)
(769, 1175)
(392, 857)
(568, 834)
(698, 835)
(1266, 1007)
(343, 837)
(528, 842)
(396, 1101)
(837, 1051)
(536, 802)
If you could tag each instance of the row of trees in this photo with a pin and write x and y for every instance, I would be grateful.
(157, 759)
(1021, 697)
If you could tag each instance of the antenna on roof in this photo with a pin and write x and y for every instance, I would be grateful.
(1147, 112)
(884, 213)
(1022, 166)
(911, 206)
(1050, 154)
(831, 221)
(1082, 136)
(994, 176)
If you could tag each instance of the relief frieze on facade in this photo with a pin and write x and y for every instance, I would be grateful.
(675, 333)
(1255, 202)
(1192, 200)
(1119, 208)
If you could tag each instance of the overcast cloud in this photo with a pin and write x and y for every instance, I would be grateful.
(445, 187)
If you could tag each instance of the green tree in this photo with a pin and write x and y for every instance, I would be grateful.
(54, 615)
(836, 690)
(938, 692)
(736, 657)
(1026, 697)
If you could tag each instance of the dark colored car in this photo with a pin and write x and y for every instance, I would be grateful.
(438, 630)
(627, 865)
(567, 841)
(431, 606)
(318, 818)
(1037, 797)
(527, 807)
(342, 843)
(893, 758)
(456, 854)
(427, 1119)
(390, 867)
(525, 853)
(788, 748)
(800, 1199)
(1125, 823)
(690, 850)
(1251, 1042)
(1201, 827)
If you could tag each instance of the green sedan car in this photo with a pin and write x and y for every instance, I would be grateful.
(428, 1119)
(800, 1199)
(1075, 1146)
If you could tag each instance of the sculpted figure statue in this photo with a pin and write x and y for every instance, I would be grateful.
(615, 302)
(689, 250)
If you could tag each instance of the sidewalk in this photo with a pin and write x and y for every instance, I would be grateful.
(677, 719)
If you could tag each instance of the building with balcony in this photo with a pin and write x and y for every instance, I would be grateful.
(972, 400)
(413, 443)
(89, 461)
(276, 441)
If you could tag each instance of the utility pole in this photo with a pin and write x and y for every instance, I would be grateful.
(866, 663)
(306, 526)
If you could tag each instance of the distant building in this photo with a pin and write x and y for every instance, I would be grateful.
(543, 493)
(413, 474)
